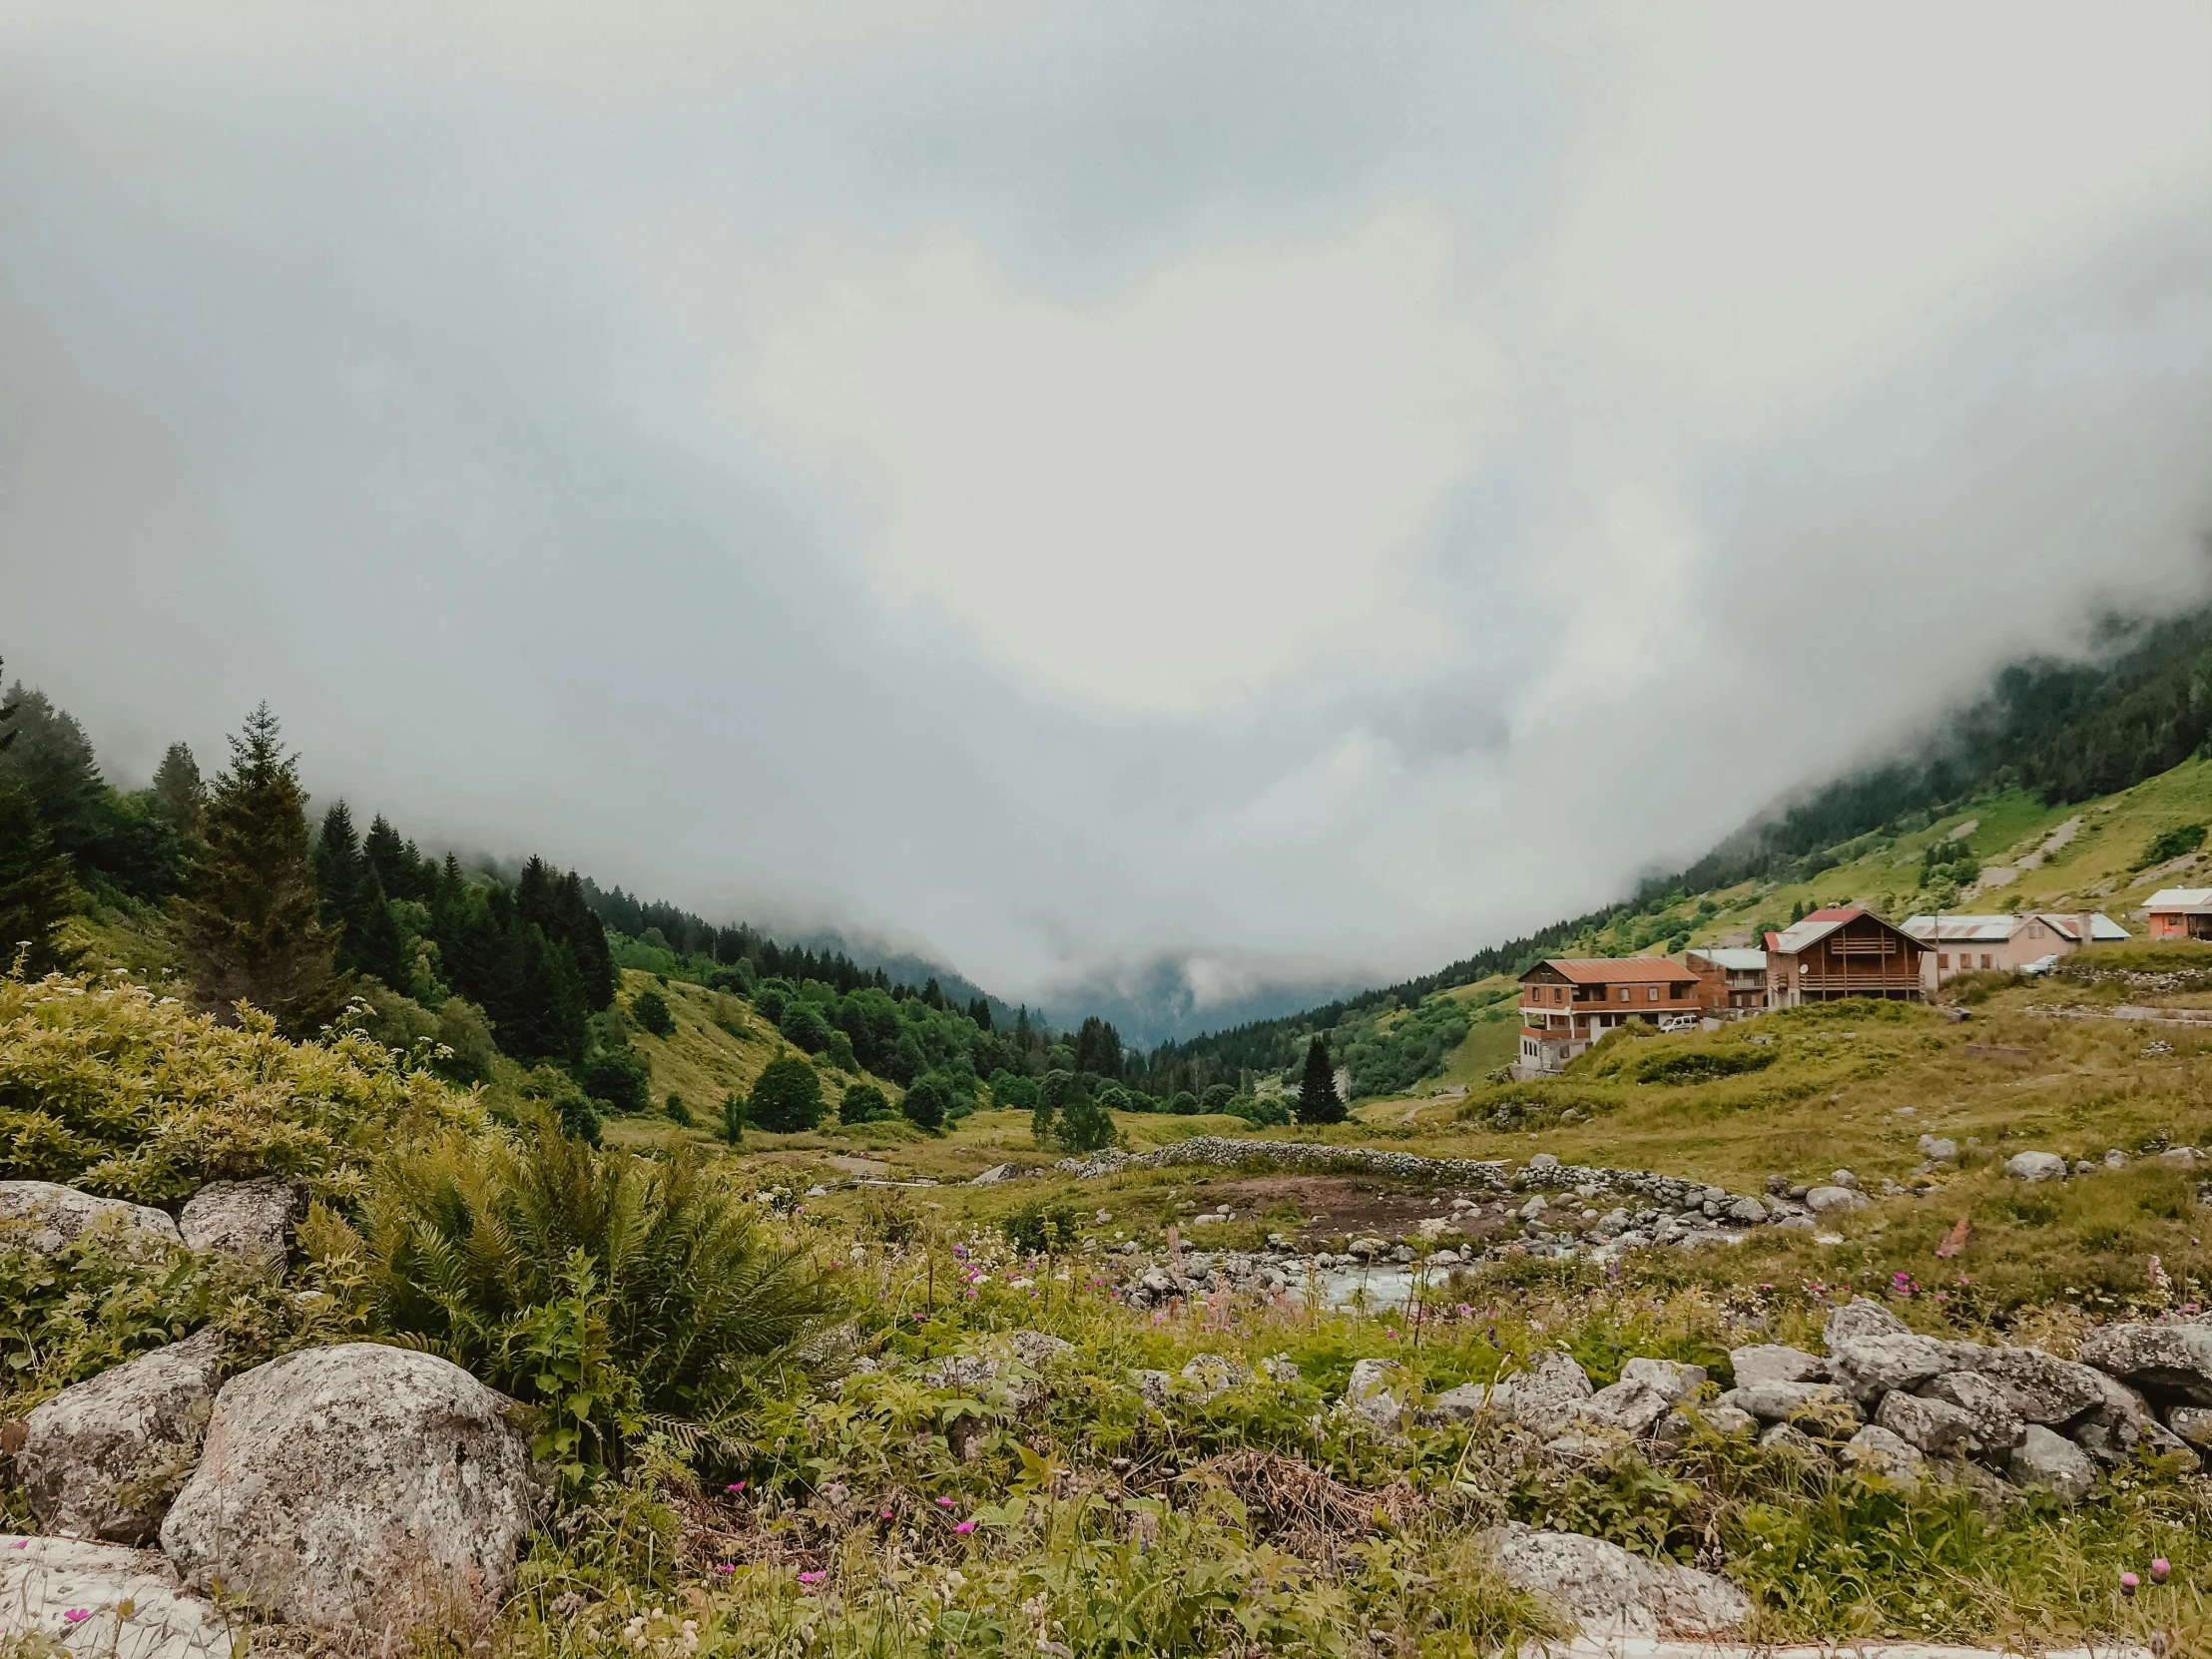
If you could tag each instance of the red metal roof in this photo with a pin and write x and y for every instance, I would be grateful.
(1616, 970)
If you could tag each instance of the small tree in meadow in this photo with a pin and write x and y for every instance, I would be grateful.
(1317, 1090)
(787, 1098)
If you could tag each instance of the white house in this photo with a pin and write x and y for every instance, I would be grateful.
(2003, 943)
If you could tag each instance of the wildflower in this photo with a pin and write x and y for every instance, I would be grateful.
(964, 1528)
(2129, 1582)
(76, 1615)
(812, 1577)
(2160, 1568)
(886, 1514)
(726, 1566)
(944, 1503)
(21, 1543)
(736, 1486)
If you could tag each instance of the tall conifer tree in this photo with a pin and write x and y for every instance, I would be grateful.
(249, 918)
(36, 891)
(1316, 1089)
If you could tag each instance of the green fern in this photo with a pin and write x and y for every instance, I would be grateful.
(614, 1294)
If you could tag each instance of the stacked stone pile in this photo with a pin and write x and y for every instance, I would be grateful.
(1883, 1398)
(357, 1490)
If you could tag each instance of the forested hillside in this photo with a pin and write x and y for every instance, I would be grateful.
(2049, 734)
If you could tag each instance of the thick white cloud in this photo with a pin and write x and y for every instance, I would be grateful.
(1261, 488)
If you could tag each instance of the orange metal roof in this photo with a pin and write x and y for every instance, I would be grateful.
(1613, 970)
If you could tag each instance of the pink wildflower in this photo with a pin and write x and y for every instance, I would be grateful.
(77, 1615)
(2160, 1568)
(944, 1503)
(964, 1528)
(812, 1577)
(2128, 1583)
(737, 1486)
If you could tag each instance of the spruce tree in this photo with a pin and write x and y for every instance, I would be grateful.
(36, 891)
(248, 918)
(1317, 1090)
(182, 795)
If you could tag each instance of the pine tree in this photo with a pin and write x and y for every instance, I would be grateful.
(51, 757)
(1317, 1090)
(248, 918)
(341, 879)
(178, 786)
(36, 891)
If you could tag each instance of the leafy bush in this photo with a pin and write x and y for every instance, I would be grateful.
(1069, 1115)
(734, 1110)
(1217, 1097)
(650, 1010)
(786, 1098)
(614, 1293)
(106, 1087)
(805, 1028)
(1390, 1059)
(617, 1079)
(1041, 1227)
(1702, 1065)
(1018, 1094)
(1184, 1105)
(2186, 837)
(1270, 1113)
(863, 1103)
(930, 1101)
(678, 1113)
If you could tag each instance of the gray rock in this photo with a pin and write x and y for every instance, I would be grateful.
(1671, 1379)
(1678, 1425)
(1627, 1407)
(1771, 1363)
(1466, 1401)
(1781, 1401)
(1212, 1374)
(1153, 1387)
(2192, 1424)
(102, 1459)
(994, 1175)
(2115, 1158)
(43, 1578)
(2163, 1358)
(1879, 1451)
(1367, 1397)
(1939, 1149)
(2035, 1166)
(2040, 1386)
(253, 1219)
(1823, 1201)
(1783, 1436)
(1549, 1393)
(1933, 1426)
(1997, 1428)
(2121, 1425)
(1366, 1249)
(2045, 1458)
(357, 1489)
(1039, 1349)
(1844, 1178)
(1747, 1211)
(45, 1217)
(1871, 1351)
(1611, 1593)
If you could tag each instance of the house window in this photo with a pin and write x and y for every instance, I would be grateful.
(1986, 962)
(1654, 993)
(1624, 993)
(1678, 993)
(1943, 960)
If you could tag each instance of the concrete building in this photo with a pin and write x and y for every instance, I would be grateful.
(2180, 914)
(2003, 943)
(1732, 984)
(1569, 1002)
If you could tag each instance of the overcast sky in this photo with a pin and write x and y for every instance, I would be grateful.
(1295, 491)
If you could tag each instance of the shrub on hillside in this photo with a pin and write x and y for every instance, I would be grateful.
(805, 1028)
(1040, 1227)
(1217, 1097)
(930, 1101)
(1184, 1105)
(106, 1087)
(613, 1293)
(650, 1009)
(863, 1103)
(734, 1110)
(1702, 1065)
(618, 1080)
(1069, 1117)
(2183, 839)
(1015, 1093)
(786, 1098)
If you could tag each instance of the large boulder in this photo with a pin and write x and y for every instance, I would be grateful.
(253, 1219)
(2122, 1423)
(1367, 1397)
(2040, 1387)
(2035, 1166)
(1611, 1593)
(1671, 1379)
(1468, 1402)
(1871, 1351)
(1781, 1401)
(1548, 1394)
(135, 1607)
(1835, 1201)
(1997, 1427)
(1879, 1451)
(1626, 1407)
(1773, 1363)
(2166, 1359)
(2045, 1458)
(43, 1217)
(358, 1489)
(103, 1459)
(1933, 1426)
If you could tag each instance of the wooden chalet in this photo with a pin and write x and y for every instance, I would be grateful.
(1842, 952)
(1567, 1003)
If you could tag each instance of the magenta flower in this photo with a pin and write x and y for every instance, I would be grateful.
(77, 1615)
(735, 1486)
(2129, 1582)
(944, 1503)
(2160, 1568)
(886, 1514)
(964, 1528)
(812, 1577)
(21, 1543)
